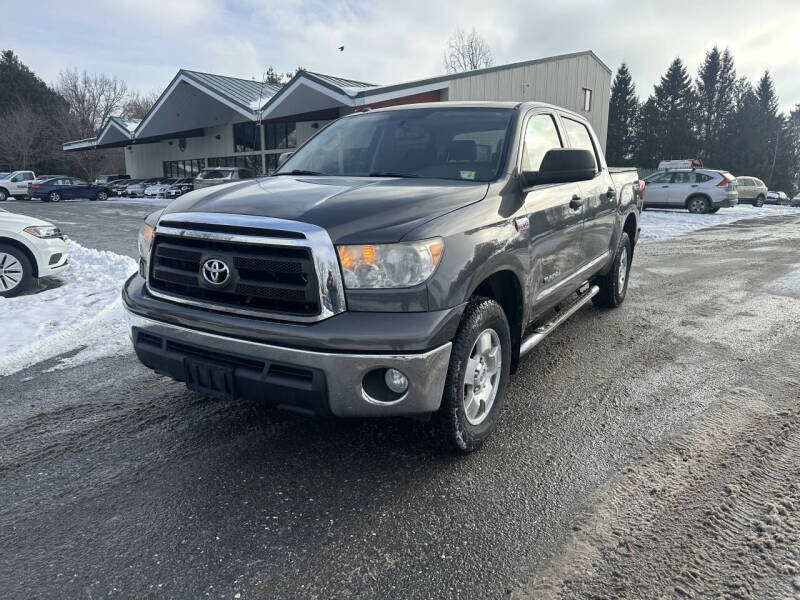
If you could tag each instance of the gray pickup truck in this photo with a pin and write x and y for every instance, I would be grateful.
(400, 262)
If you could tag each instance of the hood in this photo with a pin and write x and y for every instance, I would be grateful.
(10, 220)
(352, 209)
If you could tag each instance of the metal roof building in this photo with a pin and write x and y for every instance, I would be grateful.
(205, 120)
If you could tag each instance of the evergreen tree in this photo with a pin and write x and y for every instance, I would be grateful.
(715, 85)
(623, 115)
(667, 127)
(19, 85)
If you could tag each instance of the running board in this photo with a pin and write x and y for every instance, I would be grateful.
(565, 313)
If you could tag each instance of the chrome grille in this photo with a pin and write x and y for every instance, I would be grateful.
(275, 266)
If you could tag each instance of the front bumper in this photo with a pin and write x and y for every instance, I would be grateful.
(46, 251)
(307, 381)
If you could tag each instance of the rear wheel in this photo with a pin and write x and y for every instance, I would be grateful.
(476, 382)
(614, 285)
(698, 205)
(16, 272)
(54, 197)
(759, 201)
(3, 195)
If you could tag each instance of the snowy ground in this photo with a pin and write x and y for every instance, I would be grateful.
(120, 199)
(80, 309)
(665, 224)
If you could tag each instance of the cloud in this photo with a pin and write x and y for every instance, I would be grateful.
(146, 41)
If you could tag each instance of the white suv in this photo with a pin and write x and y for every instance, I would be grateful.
(29, 248)
(696, 190)
(16, 184)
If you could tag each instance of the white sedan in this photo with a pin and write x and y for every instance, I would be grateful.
(29, 248)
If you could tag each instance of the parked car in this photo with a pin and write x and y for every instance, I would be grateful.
(696, 190)
(680, 163)
(424, 249)
(136, 188)
(157, 190)
(119, 186)
(751, 190)
(180, 187)
(29, 248)
(795, 201)
(219, 175)
(107, 179)
(4, 175)
(16, 184)
(63, 188)
(777, 198)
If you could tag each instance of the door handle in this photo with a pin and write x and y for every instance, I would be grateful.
(576, 202)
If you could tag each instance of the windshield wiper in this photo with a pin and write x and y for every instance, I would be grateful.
(298, 172)
(391, 174)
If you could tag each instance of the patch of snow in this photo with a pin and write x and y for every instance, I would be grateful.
(132, 124)
(83, 314)
(665, 224)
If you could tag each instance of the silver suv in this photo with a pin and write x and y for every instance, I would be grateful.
(697, 190)
(751, 190)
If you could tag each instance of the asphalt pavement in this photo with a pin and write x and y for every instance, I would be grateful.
(117, 483)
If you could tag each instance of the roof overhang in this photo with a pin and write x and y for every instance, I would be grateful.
(188, 105)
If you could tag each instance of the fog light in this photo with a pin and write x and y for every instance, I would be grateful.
(396, 381)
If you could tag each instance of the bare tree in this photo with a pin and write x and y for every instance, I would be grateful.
(24, 137)
(467, 52)
(91, 98)
(137, 105)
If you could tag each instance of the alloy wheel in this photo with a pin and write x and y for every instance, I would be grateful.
(10, 272)
(482, 376)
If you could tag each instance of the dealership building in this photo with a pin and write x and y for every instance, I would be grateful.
(203, 120)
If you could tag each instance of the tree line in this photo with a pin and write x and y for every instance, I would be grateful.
(721, 118)
(36, 118)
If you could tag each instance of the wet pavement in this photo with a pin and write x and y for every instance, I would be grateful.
(118, 483)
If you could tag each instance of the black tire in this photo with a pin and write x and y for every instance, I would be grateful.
(12, 281)
(759, 201)
(3, 195)
(54, 197)
(101, 196)
(613, 287)
(714, 210)
(452, 429)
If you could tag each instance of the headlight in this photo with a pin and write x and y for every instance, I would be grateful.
(43, 231)
(390, 265)
(146, 234)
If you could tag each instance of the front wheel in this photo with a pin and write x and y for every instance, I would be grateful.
(614, 285)
(16, 272)
(476, 382)
(102, 196)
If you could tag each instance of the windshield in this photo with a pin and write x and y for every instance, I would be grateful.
(442, 143)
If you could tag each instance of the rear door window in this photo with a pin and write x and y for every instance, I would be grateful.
(541, 135)
(665, 177)
(580, 138)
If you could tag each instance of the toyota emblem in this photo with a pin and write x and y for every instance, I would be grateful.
(215, 271)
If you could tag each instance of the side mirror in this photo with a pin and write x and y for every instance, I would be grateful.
(563, 165)
(284, 157)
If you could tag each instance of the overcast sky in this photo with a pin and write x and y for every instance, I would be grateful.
(144, 42)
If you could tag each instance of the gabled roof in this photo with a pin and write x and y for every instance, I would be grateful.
(243, 92)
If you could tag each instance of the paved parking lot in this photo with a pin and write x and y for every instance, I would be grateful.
(115, 482)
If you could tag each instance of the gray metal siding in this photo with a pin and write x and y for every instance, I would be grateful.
(558, 82)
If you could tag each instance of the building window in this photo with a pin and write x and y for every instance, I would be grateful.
(246, 137)
(279, 136)
(587, 99)
(250, 161)
(183, 168)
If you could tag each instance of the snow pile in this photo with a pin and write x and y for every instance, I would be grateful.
(664, 224)
(84, 314)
